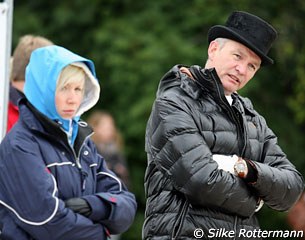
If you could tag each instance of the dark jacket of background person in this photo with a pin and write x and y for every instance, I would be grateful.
(40, 169)
(183, 187)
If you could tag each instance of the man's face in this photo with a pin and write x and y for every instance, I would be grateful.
(235, 63)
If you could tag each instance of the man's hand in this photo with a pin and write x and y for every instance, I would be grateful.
(225, 162)
(232, 164)
(187, 72)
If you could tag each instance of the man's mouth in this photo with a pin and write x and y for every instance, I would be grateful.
(234, 78)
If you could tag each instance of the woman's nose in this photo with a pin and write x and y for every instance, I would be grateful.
(72, 97)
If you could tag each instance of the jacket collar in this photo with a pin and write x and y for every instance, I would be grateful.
(206, 82)
(38, 122)
(15, 95)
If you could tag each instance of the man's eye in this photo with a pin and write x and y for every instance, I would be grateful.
(252, 67)
(237, 56)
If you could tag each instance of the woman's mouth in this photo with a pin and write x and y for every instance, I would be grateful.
(68, 111)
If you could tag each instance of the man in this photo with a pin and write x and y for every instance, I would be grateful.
(212, 160)
(21, 56)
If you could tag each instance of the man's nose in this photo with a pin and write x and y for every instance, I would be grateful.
(241, 68)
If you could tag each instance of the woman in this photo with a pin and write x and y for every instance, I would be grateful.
(54, 184)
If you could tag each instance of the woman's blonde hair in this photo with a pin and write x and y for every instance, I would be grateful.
(71, 74)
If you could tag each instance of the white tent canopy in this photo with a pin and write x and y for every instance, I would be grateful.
(6, 12)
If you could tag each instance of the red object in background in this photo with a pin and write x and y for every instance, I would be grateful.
(12, 115)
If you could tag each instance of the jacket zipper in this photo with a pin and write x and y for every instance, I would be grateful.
(83, 174)
(242, 129)
(233, 117)
(240, 132)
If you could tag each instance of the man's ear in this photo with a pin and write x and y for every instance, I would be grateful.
(213, 47)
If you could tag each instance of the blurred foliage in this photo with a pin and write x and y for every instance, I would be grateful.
(133, 43)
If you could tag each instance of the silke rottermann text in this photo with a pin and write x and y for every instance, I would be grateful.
(256, 233)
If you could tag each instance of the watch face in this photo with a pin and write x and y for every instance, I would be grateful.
(240, 167)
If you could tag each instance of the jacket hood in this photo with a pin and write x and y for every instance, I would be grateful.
(42, 74)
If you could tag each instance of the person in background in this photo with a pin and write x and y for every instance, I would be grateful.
(212, 159)
(54, 184)
(20, 59)
(109, 143)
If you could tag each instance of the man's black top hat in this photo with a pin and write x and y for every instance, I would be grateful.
(249, 30)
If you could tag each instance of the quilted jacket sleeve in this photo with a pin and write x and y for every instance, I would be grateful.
(113, 193)
(278, 181)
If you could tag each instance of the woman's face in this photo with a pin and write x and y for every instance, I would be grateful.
(68, 99)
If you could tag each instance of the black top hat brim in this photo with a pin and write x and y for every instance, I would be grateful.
(220, 31)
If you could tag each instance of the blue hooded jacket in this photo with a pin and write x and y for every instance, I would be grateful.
(40, 169)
